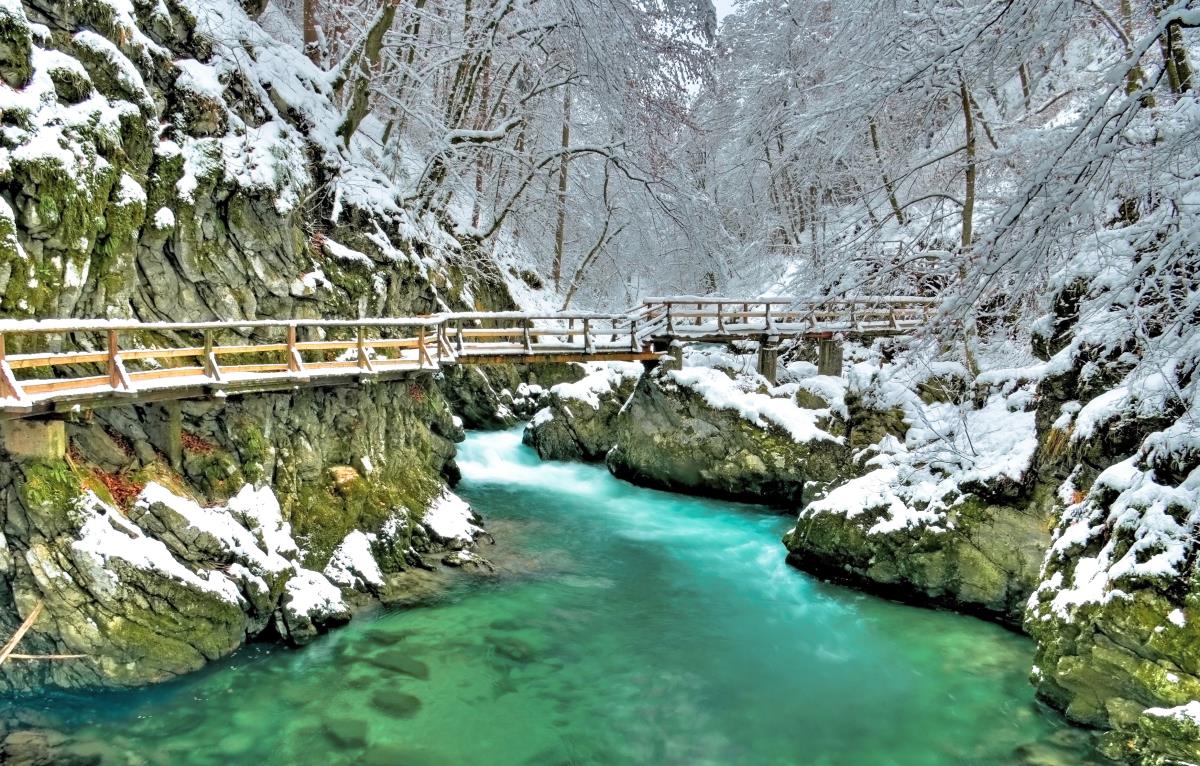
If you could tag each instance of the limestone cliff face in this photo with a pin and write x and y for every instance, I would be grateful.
(1116, 613)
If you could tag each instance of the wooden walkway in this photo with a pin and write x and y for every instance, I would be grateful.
(126, 361)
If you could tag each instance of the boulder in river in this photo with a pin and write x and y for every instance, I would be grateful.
(577, 421)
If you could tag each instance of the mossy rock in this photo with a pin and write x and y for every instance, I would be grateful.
(71, 85)
(16, 48)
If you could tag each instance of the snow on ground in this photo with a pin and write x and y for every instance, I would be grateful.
(353, 565)
(450, 518)
(106, 535)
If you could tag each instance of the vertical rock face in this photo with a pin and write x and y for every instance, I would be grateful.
(1116, 614)
(155, 585)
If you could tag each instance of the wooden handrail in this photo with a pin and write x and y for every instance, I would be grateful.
(420, 343)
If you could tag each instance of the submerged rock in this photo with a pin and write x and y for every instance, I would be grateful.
(399, 662)
(396, 703)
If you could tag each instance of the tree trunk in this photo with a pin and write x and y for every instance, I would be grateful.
(366, 62)
(968, 212)
(560, 231)
(1133, 78)
(312, 42)
(897, 211)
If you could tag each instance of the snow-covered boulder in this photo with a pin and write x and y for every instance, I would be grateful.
(945, 514)
(579, 418)
(701, 431)
(311, 605)
(450, 522)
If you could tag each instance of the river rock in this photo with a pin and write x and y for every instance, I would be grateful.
(577, 421)
(683, 430)
(399, 662)
(396, 703)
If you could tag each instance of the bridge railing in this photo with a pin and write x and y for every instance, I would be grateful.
(124, 358)
(523, 334)
(127, 358)
(699, 316)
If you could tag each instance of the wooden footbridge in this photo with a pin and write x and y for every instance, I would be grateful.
(65, 365)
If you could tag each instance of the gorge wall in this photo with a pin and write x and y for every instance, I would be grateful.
(171, 161)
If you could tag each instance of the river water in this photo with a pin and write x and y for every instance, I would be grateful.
(634, 627)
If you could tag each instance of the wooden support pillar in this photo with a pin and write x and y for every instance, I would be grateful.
(768, 358)
(829, 358)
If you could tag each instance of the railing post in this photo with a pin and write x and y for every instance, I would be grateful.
(525, 326)
(116, 371)
(570, 331)
(211, 368)
(9, 386)
(767, 315)
(633, 343)
(422, 352)
(670, 319)
(364, 362)
(294, 362)
(458, 337)
(720, 317)
(588, 347)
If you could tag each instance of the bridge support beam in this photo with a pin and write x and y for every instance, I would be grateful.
(165, 429)
(829, 358)
(30, 440)
(768, 358)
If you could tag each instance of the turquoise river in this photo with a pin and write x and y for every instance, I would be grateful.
(625, 626)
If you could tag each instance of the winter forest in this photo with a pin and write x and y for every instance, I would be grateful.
(343, 419)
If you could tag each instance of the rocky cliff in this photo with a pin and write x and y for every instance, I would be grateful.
(172, 160)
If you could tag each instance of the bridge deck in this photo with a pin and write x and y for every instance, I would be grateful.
(162, 361)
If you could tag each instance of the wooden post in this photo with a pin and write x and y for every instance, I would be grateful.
(117, 378)
(588, 347)
(767, 316)
(670, 320)
(633, 344)
(458, 339)
(364, 361)
(525, 325)
(211, 368)
(295, 363)
(571, 331)
(9, 387)
(720, 317)
(422, 352)
(699, 310)
(768, 358)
